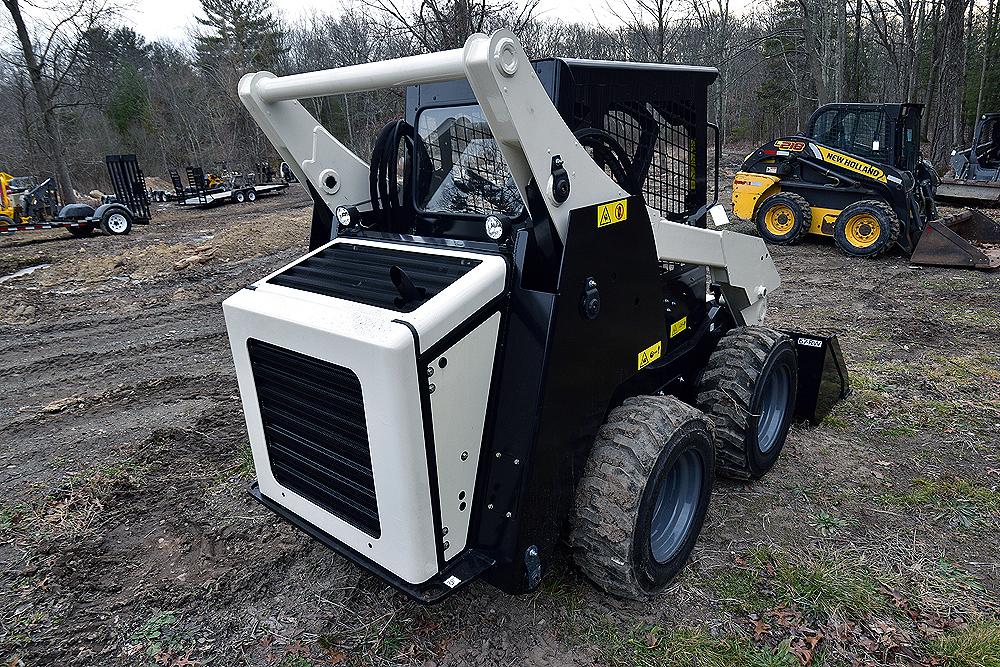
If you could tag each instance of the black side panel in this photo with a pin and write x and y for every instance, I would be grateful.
(394, 279)
(321, 230)
(129, 184)
(585, 362)
(314, 423)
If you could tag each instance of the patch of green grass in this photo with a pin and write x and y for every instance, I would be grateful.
(827, 524)
(294, 660)
(942, 492)
(963, 503)
(9, 518)
(983, 317)
(151, 632)
(827, 585)
(246, 468)
(977, 645)
(820, 585)
(739, 590)
(655, 646)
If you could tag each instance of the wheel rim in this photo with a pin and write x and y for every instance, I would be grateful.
(117, 223)
(779, 219)
(676, 505)
(862, 230)
(773, 408)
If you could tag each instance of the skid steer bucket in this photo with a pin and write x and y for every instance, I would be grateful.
(968, 193)
(823, 378)
(969, 238)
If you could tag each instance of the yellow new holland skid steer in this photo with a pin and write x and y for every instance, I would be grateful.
(857, 176)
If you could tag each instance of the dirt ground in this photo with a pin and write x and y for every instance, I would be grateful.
(127, 536)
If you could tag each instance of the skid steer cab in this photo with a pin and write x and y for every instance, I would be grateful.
(858, 176)
(513, 325)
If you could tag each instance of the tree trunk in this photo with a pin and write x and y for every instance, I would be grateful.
(857, 51)
(840, 57)
(50, 119)
(991, 26)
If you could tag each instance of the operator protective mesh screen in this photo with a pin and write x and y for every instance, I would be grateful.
(660, 140)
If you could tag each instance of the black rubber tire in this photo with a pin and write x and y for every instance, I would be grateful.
(801, 215)
(610, 523)
(109, 221)
(731, 390)
(889, 227)
(239, 197)
(81, 231)
(251, 196)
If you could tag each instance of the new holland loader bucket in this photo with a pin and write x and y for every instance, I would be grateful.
(969, 239)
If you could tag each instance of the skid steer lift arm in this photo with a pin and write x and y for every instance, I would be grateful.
(532, 136)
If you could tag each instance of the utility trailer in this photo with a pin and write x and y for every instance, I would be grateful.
(202, 194)
(115, 215)
(534, 336)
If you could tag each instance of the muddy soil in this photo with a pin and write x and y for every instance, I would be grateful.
(127, 536)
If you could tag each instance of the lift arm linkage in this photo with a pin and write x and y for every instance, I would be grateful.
(529, 132)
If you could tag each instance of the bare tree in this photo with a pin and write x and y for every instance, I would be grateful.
(50, 57)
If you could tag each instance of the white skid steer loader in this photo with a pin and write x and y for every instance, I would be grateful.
(513, 325)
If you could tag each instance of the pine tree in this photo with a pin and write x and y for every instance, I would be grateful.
(239, 35)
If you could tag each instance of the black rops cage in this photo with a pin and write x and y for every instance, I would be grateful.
(657, 113)
(129, 185)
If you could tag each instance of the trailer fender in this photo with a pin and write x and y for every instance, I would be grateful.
(99, 213)
(749, 189)
(76, 212)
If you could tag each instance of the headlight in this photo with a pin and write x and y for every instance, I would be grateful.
(346, 215)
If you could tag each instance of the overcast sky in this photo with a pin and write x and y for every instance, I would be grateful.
(171, 19)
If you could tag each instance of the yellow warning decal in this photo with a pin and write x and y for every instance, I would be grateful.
(852, 164)
(609, 214)
(650, 354)
(678, 326)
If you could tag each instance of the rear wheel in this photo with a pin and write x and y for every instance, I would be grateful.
(116, 221)
(251, 195)
(239, 196)
(643, 496)
(783, 218)
(866, 228)
(748, 389)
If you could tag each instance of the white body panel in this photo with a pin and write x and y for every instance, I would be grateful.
(458, 418)
(382, 354)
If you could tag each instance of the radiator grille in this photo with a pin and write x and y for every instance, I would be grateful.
(314, 427)
(362, 274)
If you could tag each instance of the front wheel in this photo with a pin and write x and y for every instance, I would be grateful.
(239, 196)
(749, 388)
(251, 195)
(643, 496)
(116, 221)
(867, 228)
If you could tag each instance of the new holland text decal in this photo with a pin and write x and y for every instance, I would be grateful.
(852, 164)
